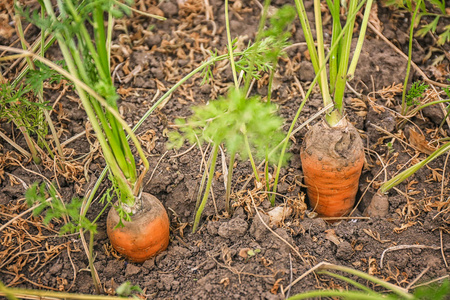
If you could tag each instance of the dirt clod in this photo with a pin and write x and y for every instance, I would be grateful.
(233, 229)
(378, 207)
(257, 229)
(132, 270)
(344, 251)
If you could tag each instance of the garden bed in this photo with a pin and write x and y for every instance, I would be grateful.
(238, 256)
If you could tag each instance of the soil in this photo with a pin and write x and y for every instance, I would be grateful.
(237, 257)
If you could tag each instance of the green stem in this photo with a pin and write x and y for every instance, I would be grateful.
(266, 169)
(408, 67)
(396, 289)
(230, 47)
(350, 281)
(415, 110)
(229, 178)
(43, 294)
(344, 56)
(343, 294)
(212, 168)
(4, 291)
(336, 30)
(107, 153)
(250, 156)
(359, 44)
(321, 55)
(272, 75)
(91, 262)
(399, 178)
(301, 11)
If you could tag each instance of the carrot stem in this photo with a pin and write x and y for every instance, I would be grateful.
(91, 262)
(230, 46)
(321, 55)
(250, 156)
(229, 178)
(212, 168)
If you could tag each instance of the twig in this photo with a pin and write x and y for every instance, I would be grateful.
(154, 170)
(418, 277)
(12, 143)
(290, 275)
(78, 135)
(402, 247)
(430, 282)
(319, 265)
(442, 248)
(443, 177)
(74, 269)
(183, 153)
(345, 218)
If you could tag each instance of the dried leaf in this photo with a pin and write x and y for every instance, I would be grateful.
(419, 142)
(331, 236)
(6, 31)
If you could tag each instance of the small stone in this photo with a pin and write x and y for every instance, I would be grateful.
(344, 251)
(153, 40)
(139, 82)
(279, 244)
(159, 74)
(233, 229)
(170, 9)
(434, 113)
(132, 270)
(306, 71)
(183, 62)
(378, 207)
(205, 89)
(149, 84)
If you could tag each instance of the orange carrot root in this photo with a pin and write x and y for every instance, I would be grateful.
(145, 236)
(332, 160)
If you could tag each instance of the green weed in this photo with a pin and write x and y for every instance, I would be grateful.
(415, 92)
(431, 27)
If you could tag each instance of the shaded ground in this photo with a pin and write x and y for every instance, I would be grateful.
(149, 57)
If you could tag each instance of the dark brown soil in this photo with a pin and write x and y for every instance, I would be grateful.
(215, 261)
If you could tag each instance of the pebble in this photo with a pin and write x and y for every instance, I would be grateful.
(169, 9)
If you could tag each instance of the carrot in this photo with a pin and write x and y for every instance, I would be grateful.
(145, 236)
(332, 160)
